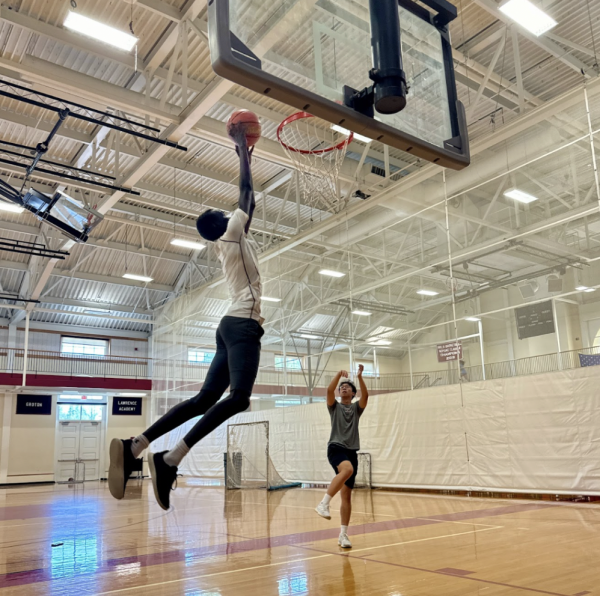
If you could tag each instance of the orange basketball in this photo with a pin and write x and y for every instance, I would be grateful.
(249, 120)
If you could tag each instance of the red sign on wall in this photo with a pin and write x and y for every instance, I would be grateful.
(449, 351)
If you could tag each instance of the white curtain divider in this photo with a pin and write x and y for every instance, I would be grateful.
(538, 433)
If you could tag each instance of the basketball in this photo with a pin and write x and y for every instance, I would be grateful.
(249, 120)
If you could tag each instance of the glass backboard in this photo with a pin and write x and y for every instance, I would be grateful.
(305, 52)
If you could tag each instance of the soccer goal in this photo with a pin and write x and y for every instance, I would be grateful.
(363, 477)
(247, 462)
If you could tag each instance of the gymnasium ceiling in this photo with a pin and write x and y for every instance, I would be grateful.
(388, 245)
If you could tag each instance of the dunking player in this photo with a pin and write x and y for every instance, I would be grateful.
(343, 446)
(236, 360)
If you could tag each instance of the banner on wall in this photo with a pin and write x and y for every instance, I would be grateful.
(127, 406)
(449, 351)
(34, 404)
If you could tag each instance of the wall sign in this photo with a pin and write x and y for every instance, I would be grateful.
(449, 351)
(534, 320)
(34, 404)
(127, 406)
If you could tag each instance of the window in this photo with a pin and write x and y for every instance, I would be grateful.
(83, 346)
(291, 364)
(200, 356)
(74, 412)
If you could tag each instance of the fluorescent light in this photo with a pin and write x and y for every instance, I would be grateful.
(306, 336)
(331, 273)
(427, 292)
(100, 31)
(472, 319)
(131, 394)
(379, 342)
(11, 208)
(361, 313)
(519, 195)
(346, 132)
(96, 311)
(590, 290)
(188, 244)
(143, 278)
(269, 299)
(529, 16)
(581, 288)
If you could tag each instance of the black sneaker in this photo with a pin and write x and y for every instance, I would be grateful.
(163, 478)
(122, 464)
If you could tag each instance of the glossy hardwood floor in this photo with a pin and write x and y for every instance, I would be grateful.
(79, 541)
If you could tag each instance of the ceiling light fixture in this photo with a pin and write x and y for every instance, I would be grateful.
(269, 299)
(306, 336)
(346, 132)
(188, 244)
(96, 311)
(529, 16)
(331, 273)
(100, 31)
(519, 195)
(11, 208)
(427, 293)
(362, 313)
(379, 342)
(134, 277)
(472, 319)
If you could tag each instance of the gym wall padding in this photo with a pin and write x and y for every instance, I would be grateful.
(538, 433)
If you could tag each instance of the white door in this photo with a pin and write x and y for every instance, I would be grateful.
(80, 435)
(90, 445)
(68, 450)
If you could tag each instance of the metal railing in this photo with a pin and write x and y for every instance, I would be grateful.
(181, 374)
(41, 362)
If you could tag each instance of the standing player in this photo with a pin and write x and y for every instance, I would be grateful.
(236, 360)
(343, 446)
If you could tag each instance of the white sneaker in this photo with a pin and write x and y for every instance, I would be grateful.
(344, 541)
(323, 510)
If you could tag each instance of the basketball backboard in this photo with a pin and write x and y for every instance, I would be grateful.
(308, 53)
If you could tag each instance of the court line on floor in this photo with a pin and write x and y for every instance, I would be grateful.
(328, 554)
(461, 523)
(438, 572)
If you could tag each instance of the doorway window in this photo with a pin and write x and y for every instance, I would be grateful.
(75, 412)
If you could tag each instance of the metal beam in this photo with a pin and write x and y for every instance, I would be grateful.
(542, 41)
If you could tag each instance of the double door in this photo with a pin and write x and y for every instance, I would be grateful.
(80, 440)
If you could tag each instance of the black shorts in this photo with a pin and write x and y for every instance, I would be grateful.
(336, 454)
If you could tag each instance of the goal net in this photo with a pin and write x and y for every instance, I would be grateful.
(363, 477)
(247, 462)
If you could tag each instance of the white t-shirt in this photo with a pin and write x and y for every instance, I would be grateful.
(240, 267)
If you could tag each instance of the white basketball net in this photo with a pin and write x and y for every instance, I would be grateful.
(317, 153)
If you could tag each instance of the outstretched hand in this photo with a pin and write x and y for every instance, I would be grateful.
(361, 368)
(344, 374)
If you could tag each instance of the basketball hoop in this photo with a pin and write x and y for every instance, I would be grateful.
(317, 153)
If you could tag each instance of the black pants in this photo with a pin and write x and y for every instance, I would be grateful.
(235, 365)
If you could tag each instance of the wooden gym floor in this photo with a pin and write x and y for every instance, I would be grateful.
(79, 541)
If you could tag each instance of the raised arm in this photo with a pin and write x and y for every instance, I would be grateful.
(247, 202)
(364, 392)
(333, 386)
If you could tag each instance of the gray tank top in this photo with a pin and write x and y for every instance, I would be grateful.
(344, 425)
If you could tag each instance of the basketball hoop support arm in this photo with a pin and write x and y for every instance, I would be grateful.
(387, 95)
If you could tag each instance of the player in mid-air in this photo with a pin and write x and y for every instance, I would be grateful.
(236, 360)
(343, 446)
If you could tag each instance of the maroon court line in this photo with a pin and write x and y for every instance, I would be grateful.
(75, 569)
(436, 572)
